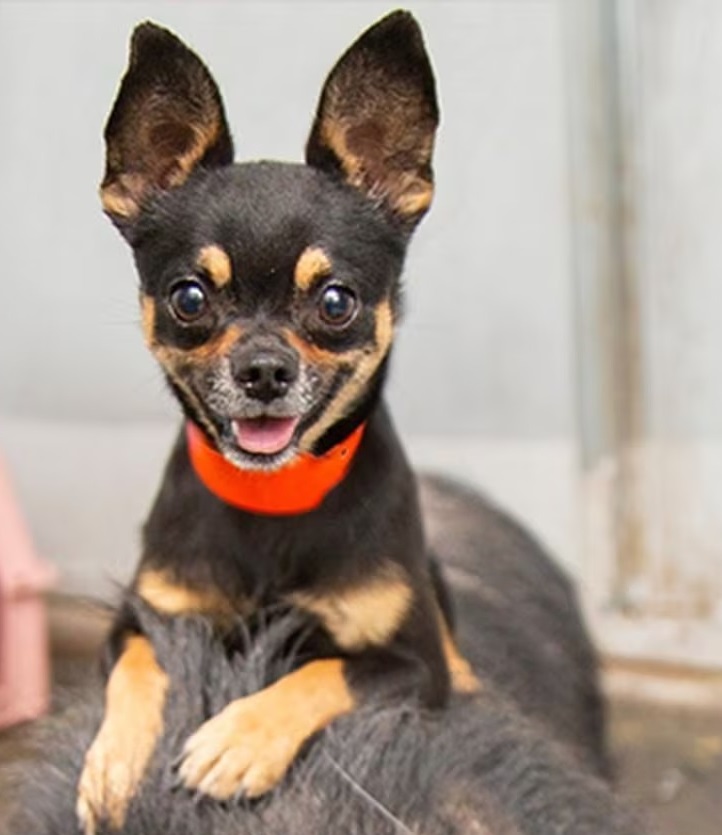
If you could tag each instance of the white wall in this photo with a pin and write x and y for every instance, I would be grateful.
(675, 89)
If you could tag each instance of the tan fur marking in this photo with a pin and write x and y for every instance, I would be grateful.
(170, 357)
(122, 193)
(365, 615)
(173, 359)
(205, 136)
(215, 348)
(216, 263)
(172, 598)
(406, 192)
(133, 720)
(463, 677)
(147, 319)
(115, 201)
(194, 401)
(366, 366)
(250, 744)
(312, 264)
(312, 354)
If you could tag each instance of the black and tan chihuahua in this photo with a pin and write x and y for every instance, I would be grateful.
(270, 293)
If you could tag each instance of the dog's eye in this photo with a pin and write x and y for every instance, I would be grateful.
(188, 300)
(337, 305)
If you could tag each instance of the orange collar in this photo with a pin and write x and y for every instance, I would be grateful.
(298, 487)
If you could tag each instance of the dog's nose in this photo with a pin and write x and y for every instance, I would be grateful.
(265, 375)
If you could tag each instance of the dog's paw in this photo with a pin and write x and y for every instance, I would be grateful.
(107, 782)
(245, 749)
(249, 746)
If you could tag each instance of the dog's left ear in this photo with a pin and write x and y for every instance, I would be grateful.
(377, 118)
(167, 120)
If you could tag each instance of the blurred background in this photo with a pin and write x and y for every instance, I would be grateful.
(563, 342)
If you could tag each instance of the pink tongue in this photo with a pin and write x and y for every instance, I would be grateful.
(264, 435)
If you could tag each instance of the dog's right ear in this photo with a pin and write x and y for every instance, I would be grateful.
(167, 120)
(377, 118)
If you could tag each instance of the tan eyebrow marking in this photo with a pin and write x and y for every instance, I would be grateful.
(216, 263)
(312, 263)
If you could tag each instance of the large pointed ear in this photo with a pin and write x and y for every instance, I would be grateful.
(167, 120)
(377, 118)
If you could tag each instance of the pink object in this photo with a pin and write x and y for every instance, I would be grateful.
(24, 577)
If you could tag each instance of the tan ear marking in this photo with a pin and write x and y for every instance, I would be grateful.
(312, 264)
(166, 120)
(118, 198)
(216, 264)
(406, 192)
(377, 118)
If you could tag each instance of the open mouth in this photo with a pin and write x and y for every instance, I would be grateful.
(264, 435)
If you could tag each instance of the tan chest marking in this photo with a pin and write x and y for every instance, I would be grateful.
(463, 677)
(170, 597)
(364, 615)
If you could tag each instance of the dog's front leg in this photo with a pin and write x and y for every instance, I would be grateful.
(134, 701)
(249, 745)
(133, 719)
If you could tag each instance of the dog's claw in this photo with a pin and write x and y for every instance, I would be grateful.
(86, 819)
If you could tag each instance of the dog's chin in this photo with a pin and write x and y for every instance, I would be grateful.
(264, 444)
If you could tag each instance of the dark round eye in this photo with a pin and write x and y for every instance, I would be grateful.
(337, 305)
(188, 301)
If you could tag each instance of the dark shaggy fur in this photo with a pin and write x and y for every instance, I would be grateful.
(521, 757)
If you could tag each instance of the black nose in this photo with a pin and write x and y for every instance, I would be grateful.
(265, 374)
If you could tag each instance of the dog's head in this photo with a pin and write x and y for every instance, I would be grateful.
(269, 291)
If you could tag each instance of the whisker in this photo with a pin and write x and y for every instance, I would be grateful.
(368, 797)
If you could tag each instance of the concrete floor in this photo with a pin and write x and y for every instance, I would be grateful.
(669, 762)
(668, 757)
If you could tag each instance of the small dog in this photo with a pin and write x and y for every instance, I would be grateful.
(269, 294)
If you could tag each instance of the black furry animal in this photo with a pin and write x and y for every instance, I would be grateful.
(526, 756)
